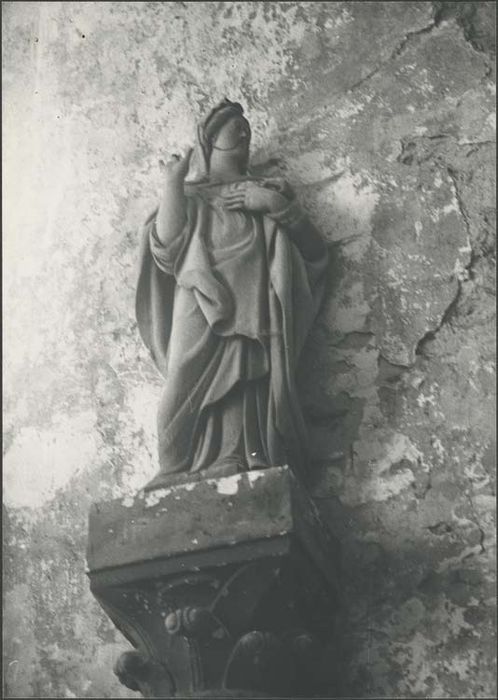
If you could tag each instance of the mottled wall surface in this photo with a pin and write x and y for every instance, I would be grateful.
(382, 117)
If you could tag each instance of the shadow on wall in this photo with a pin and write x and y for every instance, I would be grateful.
(334, 416)
(413, 523)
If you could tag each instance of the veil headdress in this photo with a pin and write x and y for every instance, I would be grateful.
(206, 133)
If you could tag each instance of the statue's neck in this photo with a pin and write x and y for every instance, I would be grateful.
(227, 167)
(226, 174)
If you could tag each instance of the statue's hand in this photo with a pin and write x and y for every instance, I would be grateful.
(253, 197)
(176, 168)
(280, 185)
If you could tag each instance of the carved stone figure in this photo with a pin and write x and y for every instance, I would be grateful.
(231, 275)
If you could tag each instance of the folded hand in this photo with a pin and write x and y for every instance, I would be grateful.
(280, 185)
(253, 197)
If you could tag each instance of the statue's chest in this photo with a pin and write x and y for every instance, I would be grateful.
(227, 229)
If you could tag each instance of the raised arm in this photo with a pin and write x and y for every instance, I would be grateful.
(172, 212)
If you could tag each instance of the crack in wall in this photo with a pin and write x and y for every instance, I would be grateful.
(482, 534)
(407, 156)
(442, 12)
(474, 254)
(395, 53)
(453, 176)
(489, 142)
(448, 314)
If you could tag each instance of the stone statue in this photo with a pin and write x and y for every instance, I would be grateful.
(231, 276)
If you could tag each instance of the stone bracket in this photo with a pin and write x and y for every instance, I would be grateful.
(240, 613)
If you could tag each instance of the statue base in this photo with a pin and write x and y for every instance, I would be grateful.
(226, 587)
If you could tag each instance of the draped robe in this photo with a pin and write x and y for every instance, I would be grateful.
(224, 309)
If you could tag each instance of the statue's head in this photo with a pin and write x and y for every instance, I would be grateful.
(225, 133)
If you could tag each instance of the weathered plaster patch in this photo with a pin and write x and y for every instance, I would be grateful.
(353, 198)
(387, 475)
(228, 485)
(347, 311)
(415, 657)
(312, 166)
(40, 463)
(152, 498)
(254, 476)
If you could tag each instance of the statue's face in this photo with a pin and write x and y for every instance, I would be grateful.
(234, 137)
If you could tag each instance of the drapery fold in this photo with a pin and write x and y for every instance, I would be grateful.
(224, 309)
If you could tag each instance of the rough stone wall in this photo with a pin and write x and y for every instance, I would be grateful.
(381, 115)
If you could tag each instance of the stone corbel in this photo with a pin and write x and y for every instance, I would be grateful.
(225, 587)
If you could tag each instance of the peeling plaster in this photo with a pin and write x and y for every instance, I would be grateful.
(40, 463)
(229, 485)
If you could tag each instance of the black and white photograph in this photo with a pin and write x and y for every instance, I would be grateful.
(249, 349)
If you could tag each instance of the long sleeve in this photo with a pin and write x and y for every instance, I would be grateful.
(302, 232)
(167, 255)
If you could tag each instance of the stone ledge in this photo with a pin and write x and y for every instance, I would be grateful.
(225, 586)
(233, 518)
